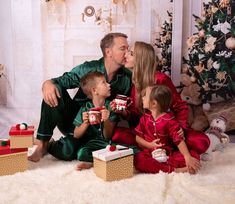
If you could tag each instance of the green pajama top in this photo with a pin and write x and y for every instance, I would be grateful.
(94, 131)
(120, 84)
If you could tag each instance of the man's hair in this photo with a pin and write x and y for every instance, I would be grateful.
(108, 40)
(89, 81)
(162, 94)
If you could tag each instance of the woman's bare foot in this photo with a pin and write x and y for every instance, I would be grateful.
(83, 165)
(40, 151)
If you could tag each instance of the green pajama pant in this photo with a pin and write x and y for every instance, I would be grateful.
(85, 153)
(69, 148)
(61, 117)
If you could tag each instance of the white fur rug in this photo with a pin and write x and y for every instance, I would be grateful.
(51, 181)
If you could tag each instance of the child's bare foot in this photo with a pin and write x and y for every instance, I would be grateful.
(40, 151)
(83, 165)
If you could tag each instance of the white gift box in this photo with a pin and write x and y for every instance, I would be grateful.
(114, 165)
(106, 155)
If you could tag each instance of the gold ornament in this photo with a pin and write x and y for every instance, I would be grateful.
(230, 43)
(193, 79)
(201, 33)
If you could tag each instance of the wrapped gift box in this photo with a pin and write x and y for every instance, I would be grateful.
(113, 165)
(21, 138)
(12, 160)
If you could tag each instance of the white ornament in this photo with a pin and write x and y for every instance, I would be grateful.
(206, 106)
(23, 126)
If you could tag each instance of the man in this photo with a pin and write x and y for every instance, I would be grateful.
(58, 109)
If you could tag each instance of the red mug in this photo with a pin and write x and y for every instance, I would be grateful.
(122, 102)
(94, 115)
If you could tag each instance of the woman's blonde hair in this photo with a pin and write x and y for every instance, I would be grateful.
(144, 68)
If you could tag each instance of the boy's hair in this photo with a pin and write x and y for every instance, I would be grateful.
(162, 94)
(108, 40)
(88, 81)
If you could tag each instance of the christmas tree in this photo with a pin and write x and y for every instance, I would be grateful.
(164, 44)
(211, 52)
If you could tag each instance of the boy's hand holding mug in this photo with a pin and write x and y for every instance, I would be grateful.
(97, 115)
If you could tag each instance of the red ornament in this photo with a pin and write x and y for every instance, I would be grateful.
(112, 148)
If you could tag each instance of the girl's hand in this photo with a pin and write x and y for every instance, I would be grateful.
(181, 132)
(85, 117)
(156, 144)
(104, 114)
(192, 164)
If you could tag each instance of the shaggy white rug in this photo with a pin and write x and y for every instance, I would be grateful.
(51, 181)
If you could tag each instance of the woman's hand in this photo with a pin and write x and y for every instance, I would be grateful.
(192, 164)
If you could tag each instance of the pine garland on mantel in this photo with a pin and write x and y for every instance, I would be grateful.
(211, 52)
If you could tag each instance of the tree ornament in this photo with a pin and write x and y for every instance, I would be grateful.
(230, 43)
(201, 33)
(206, 106)
(193, 79)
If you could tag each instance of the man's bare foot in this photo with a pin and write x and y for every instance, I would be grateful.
(83, 165)
(40, 151)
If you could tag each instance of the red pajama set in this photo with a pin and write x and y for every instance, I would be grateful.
(197, 141)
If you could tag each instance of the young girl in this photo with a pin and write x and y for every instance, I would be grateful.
(141, 58)
(158, 129)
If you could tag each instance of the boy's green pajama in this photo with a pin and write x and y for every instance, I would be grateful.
(93, 136)
(62, 116)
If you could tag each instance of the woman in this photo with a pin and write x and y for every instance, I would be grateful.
(142, 60)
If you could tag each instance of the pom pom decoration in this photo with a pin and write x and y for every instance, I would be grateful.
(111, 148)
(22, 126)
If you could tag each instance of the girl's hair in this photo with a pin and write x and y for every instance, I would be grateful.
(89, 81)
(162, 94)
(144, 68)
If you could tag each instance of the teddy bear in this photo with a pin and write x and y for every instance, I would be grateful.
(190, 93)
(218, 138)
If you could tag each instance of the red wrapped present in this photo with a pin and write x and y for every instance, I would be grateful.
(21, 138)
(12, 160)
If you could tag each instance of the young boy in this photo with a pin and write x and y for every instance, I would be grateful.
(93, 136)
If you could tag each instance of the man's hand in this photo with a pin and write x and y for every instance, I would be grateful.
(50, 93)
